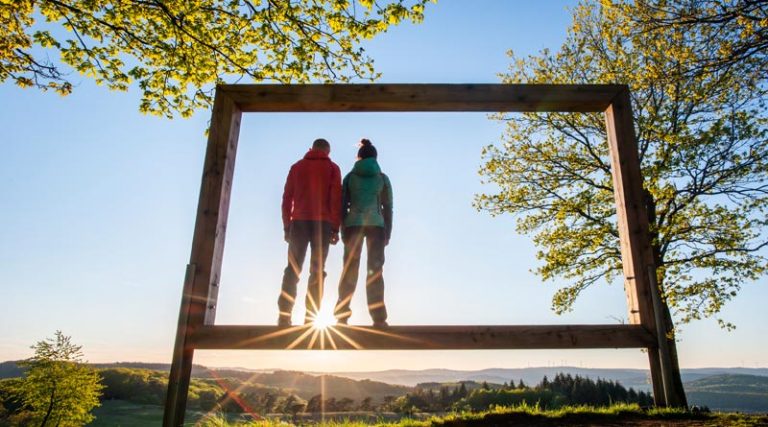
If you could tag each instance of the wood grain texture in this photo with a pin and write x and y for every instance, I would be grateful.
(198, 306)
(213, 209)
(442, 337)
(181, 363)
(632, 220)
(420, 97)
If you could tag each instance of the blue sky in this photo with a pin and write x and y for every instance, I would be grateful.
(99, 206)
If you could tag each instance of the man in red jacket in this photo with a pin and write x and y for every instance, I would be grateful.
(311, 216)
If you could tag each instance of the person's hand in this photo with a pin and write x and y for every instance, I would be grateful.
(287, 235)
(334, 237)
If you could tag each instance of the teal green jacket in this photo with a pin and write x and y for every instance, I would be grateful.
(366, 197)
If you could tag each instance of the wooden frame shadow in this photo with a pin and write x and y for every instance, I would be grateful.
(196, 328)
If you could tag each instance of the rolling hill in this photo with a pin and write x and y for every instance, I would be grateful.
(741, 389)
(730, 392)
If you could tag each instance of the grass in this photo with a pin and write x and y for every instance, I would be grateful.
(616, 414)
(587, 415)
(125, 414)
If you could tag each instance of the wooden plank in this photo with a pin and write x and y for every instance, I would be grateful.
(636, 253)
(201, 291)
(657, 382)
(350, 337)
(421, 97)
(181, 364)
(213, 208)
(630, 210)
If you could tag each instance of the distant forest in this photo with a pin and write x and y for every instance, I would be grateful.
(563, 390)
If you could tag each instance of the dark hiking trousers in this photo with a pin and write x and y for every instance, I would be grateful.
(317, 235)
(374, 285)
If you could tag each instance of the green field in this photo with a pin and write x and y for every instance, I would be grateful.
(127, 414)
(119, 413)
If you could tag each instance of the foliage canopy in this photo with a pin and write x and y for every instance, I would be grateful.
(58, 388)
(177, 50)
(703, 152)
(725, 32)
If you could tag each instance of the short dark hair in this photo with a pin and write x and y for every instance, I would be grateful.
(366, 149)
(321, 144)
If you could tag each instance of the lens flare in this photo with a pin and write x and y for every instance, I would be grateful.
(322, 319)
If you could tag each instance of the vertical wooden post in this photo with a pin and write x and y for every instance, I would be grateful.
(182, 355)
(665, 363)
(199, 304)
(630, 210)
(633, 230)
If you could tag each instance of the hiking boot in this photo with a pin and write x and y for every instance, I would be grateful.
(342, 321)
(380, 324)
(283, 321)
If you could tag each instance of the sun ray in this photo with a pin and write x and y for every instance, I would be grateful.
(349, 340)
(330, 338)
(312, 340)
(336, 311)
(278, 333)
(233, 395)
(382, 332)
(322, 398)
(300, 338)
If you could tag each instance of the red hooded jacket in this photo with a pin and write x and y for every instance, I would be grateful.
(313, 190)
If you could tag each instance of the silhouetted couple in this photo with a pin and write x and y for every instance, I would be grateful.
(316, 204)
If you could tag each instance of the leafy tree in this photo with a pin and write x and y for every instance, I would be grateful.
(58, 388)
(207, 400)
(10, 407)
(293, 405)
(462, 392)
(388, 403)
(726, 32)
(445, 397)
(331, 405)
(315, 404)
(175, 51)
(702, 150)
(345, 404)
(269, 402)
(366, 404)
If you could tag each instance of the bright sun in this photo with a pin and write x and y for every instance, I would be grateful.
(323, 319)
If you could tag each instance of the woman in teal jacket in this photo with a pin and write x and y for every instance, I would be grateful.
(366, 215)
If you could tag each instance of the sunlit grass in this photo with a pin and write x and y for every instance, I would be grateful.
(526, 413)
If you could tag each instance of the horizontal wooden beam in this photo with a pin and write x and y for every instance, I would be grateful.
(421, 97)
(343, 337)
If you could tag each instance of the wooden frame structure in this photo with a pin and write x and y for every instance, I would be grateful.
(196, 328)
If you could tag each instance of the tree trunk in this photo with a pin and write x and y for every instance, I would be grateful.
(51, 402)
(669, 328)
(677, 381)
